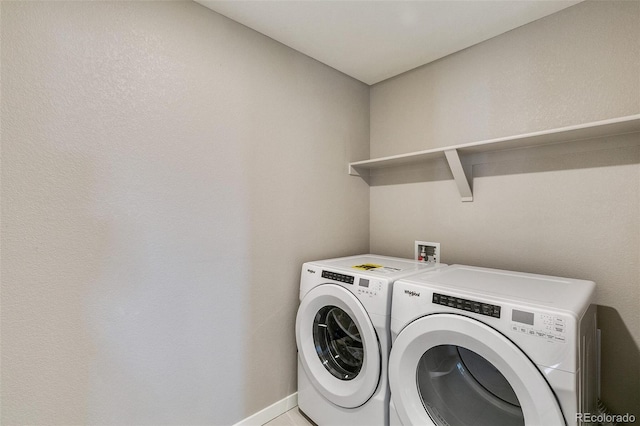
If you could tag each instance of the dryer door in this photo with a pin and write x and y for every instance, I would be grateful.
(338, 346)
(451, 370)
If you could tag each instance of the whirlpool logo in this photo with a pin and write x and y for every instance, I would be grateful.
(311, 271)
(412, 293)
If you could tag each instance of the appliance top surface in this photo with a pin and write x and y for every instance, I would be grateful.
(554, 292)
(376, 266)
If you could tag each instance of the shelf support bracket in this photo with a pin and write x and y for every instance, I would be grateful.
(352, 171)
(453, 158)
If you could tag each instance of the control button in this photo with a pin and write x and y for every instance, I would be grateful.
(560, 339)
(540, 334)
(514, 327)
(560, 329)
(532, 332)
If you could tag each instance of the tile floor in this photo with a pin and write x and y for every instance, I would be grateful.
(290, 418)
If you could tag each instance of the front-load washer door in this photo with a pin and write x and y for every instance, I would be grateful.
(452, 370)
(338, 346)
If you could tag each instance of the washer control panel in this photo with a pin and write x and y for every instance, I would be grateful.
(543, 326)
(369, 288)
(343, 278)
(467, 305)
(361, 286)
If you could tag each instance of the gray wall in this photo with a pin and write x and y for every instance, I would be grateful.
(571, 210)
(165, 172)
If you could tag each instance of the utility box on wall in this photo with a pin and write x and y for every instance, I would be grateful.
(427, 251)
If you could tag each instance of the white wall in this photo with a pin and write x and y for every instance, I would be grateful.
(570, 211)
(165, 172)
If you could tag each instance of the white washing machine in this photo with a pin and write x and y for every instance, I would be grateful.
(343, 338)
(485, 347)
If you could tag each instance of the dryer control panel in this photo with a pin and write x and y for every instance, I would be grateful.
(467, 305)
(545, 326)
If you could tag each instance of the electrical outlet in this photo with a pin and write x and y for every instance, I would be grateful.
(427, 252)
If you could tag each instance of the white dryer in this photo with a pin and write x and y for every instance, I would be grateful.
(485, 347)
(343, 338)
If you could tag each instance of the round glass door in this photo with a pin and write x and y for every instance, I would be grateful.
(338, 347)
(449, 369)
(338, 342)
(459, 387)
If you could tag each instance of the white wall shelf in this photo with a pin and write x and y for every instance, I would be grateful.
(596, 129)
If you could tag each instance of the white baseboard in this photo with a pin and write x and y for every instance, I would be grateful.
(271, 412)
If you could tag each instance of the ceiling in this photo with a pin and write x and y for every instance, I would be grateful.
(375, 40)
